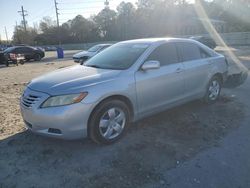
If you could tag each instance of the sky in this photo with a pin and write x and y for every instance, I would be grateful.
(37, 9)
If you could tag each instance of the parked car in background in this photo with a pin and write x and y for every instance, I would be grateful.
(206, 40)
(29, 52)
(49, 48)
(7, 58)
(4, 46)
(85, 55)
(126, 82)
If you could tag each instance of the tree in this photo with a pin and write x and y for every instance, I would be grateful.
(24, 37)
(125, 18)
(106, 24)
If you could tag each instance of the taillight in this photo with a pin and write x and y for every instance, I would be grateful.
(13, 56)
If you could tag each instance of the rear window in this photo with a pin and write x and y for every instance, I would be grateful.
(189, 51)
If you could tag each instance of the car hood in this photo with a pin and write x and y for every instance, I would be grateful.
(71, 80)
(84, 53)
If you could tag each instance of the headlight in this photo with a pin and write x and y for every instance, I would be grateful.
(64, 100)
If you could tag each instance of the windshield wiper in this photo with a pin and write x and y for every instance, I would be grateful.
(94, 66)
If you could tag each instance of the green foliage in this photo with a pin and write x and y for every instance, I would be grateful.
(149, 18)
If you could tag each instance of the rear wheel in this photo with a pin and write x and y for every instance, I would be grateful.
(6, 63)
(109, 122)
(213, 90)
(37, 57)
(21, 62)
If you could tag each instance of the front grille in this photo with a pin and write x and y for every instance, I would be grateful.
(29, 100)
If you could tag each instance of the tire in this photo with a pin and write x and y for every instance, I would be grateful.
(7, 63)
(37, 57)
(21, 62)
(103, 125)
(213, 90)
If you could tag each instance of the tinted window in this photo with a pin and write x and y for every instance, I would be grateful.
(165, 54)
(94, 48)
(19, 50)
(104, 47)
(23, 50)
(189, 51)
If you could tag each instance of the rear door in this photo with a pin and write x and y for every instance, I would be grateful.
(196, 65)
(159, 87)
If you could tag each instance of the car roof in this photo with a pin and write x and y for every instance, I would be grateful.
(157, 40)
(103, 44)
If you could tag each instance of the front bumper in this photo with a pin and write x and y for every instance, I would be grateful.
(65, 122)
(77, 60)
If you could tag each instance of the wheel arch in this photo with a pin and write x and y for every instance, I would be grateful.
(122, 98)
(220, 76)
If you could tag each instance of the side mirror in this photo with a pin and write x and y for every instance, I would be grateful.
(150, 65)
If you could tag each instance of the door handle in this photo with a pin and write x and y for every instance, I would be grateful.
(178, 70)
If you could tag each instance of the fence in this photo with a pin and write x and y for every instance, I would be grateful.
(231, 39)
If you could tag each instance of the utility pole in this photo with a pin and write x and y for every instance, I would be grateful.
(6, 33)
(23, 14)
(106, 3)
(57, 21)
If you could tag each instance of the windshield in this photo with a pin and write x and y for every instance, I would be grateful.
(9, 49)
(94, 48)
(119, 56)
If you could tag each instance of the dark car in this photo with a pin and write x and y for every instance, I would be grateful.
(7, 58)
(29, 52)
(206, 40)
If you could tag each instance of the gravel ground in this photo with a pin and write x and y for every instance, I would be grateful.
(150, 148)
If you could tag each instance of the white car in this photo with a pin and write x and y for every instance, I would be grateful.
(84, 55)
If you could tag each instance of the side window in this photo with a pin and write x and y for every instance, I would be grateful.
(103, 48)
(18, 50)
(27, 49)
(165, 54)
(189, 51)
(204, 54)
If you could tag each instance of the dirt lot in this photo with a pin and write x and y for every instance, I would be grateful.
(149, 149)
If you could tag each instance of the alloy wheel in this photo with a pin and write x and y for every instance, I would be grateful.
(112, 123)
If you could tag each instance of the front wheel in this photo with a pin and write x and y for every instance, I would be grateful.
(109, 122)
(37, 57)
(213, 90)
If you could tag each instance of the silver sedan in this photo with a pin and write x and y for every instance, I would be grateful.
(124, 83)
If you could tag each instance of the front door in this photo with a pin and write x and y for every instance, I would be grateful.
(157, 88)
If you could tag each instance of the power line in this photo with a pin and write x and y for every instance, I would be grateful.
(82, 8)
(42, 13)
(80, 2)
(23, 14)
